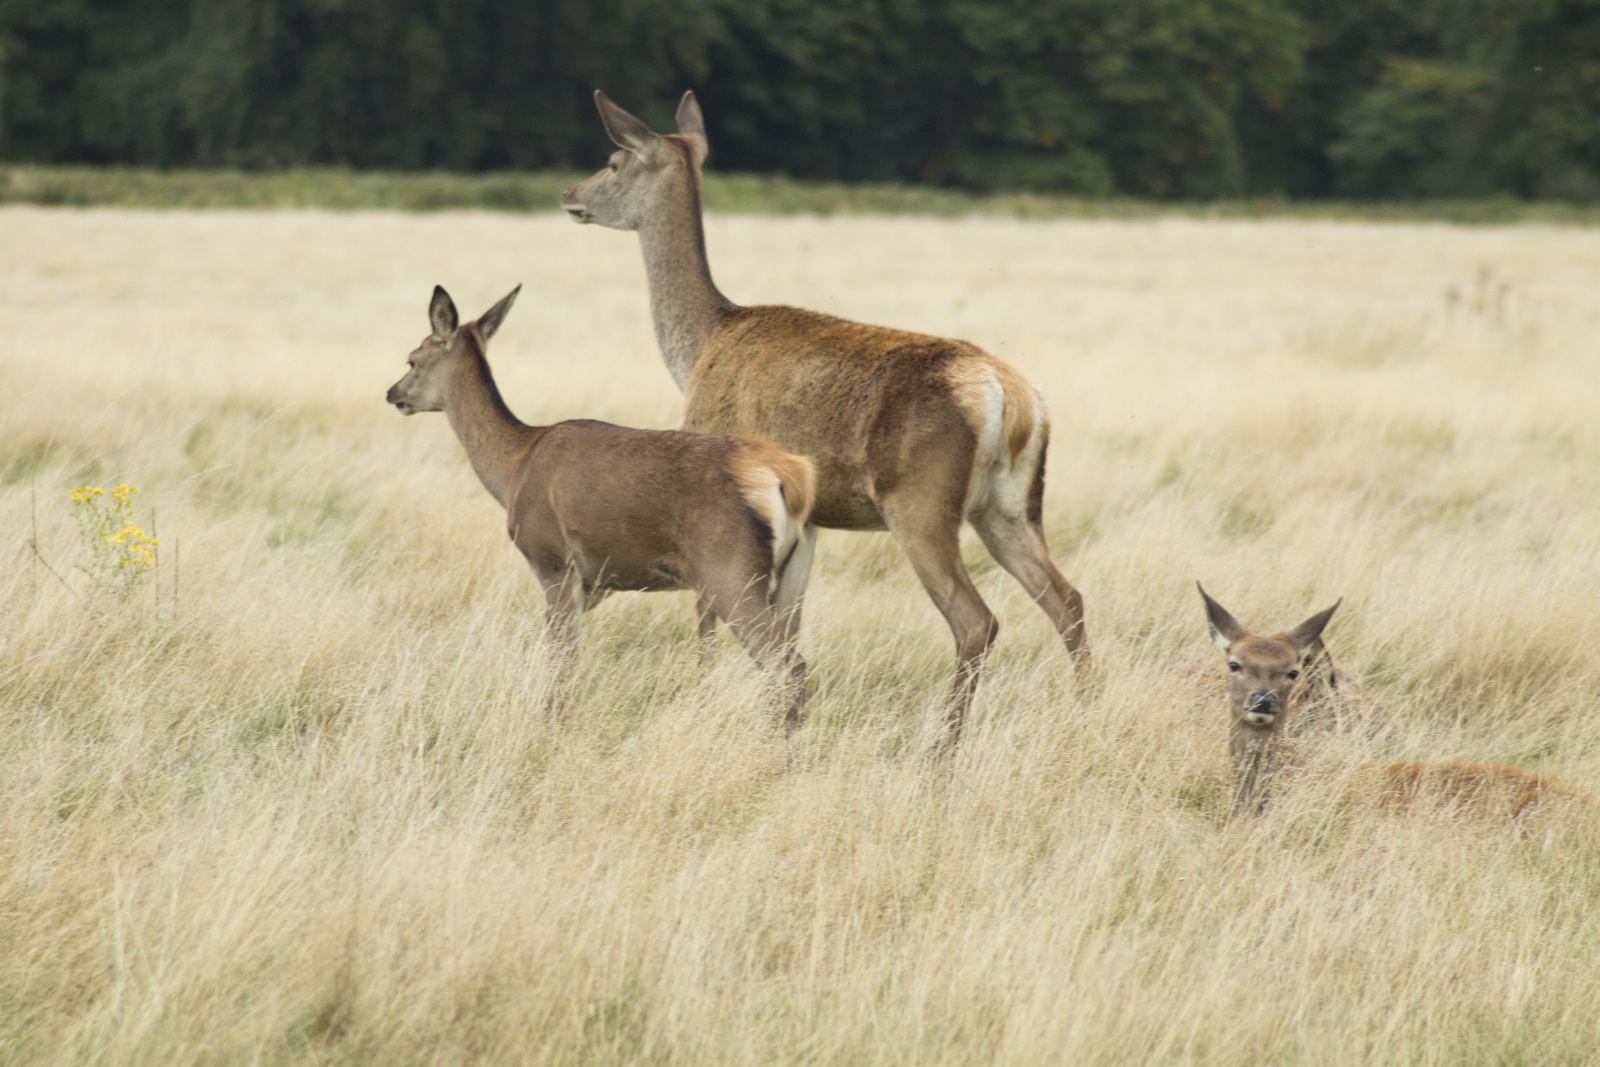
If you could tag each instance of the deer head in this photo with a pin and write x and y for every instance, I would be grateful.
(1262, 670)
(431, 365)
(647, 170)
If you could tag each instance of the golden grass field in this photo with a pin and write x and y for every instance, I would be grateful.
(294, 802)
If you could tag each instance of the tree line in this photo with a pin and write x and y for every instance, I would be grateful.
(1163, 98)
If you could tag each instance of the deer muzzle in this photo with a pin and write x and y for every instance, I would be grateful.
(578, 212)
(400, 402)
(1261, 709)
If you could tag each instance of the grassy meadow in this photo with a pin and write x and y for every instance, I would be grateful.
(291, 799)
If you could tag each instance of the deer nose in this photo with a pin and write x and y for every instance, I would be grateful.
(1261, 709)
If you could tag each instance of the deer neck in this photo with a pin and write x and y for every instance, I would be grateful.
(1257, 753)
(495, 440)
(684, 302)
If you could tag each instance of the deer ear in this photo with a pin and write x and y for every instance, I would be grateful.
(625, 130)
(442, 314)
(1224, 629)
(692, 127)
(490, 320)
(1302, 636)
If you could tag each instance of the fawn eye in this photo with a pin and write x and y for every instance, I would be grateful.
(1293, 675)
(1232, 666)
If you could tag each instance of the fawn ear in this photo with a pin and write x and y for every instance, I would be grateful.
(626, 131)
(490, 320)
(692, 127)
(442, 314)
(1224, 630)
(1302, 636)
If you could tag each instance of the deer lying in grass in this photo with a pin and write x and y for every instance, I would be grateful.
(910, 433)
(1263, 672)
(597, 508)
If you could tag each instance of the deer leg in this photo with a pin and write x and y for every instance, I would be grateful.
(932, 541)
(1019, 546)
(706, 630)
(564, 601)
(792, 583)
(756, 622)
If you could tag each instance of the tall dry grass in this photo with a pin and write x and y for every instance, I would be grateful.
(293, 801)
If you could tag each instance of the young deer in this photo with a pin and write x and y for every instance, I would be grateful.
(910, 433)
(597, 508)
(1262, 672)
(1262, 686)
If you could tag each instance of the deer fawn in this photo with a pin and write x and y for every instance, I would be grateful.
(597, 508)
(910, 433)
(1263, 672)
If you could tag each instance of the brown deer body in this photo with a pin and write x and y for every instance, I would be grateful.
(1263, 672)
(910, 433)
(597, 508)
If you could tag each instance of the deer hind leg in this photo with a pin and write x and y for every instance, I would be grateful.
(931, 537)
(1018, 545)
(792, 583)
(752, 614)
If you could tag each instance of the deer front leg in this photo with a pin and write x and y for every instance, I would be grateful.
(564, 601)
(705, 630)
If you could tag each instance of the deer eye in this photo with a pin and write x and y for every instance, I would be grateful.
(1232, 666)
(1293, 675)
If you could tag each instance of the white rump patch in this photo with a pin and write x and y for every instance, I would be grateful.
(767, 500)
(996, 481)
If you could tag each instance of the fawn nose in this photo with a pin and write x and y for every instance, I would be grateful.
(1261, 708)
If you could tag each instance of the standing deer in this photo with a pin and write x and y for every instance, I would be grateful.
(910, 433)
(1262, 686)
(597, 508)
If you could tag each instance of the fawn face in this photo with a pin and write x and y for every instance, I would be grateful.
(426, 382)
(1262, 671)
(430, 367)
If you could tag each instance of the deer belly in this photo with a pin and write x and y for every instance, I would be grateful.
(842, 501)
(615, 575)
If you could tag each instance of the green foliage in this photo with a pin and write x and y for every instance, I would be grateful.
(468, 84)
(1080, 96)
(1165, 98)
(1493, 96)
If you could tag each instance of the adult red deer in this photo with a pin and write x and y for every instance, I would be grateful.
(1262, 676)
(909, 433)
(597, 508)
